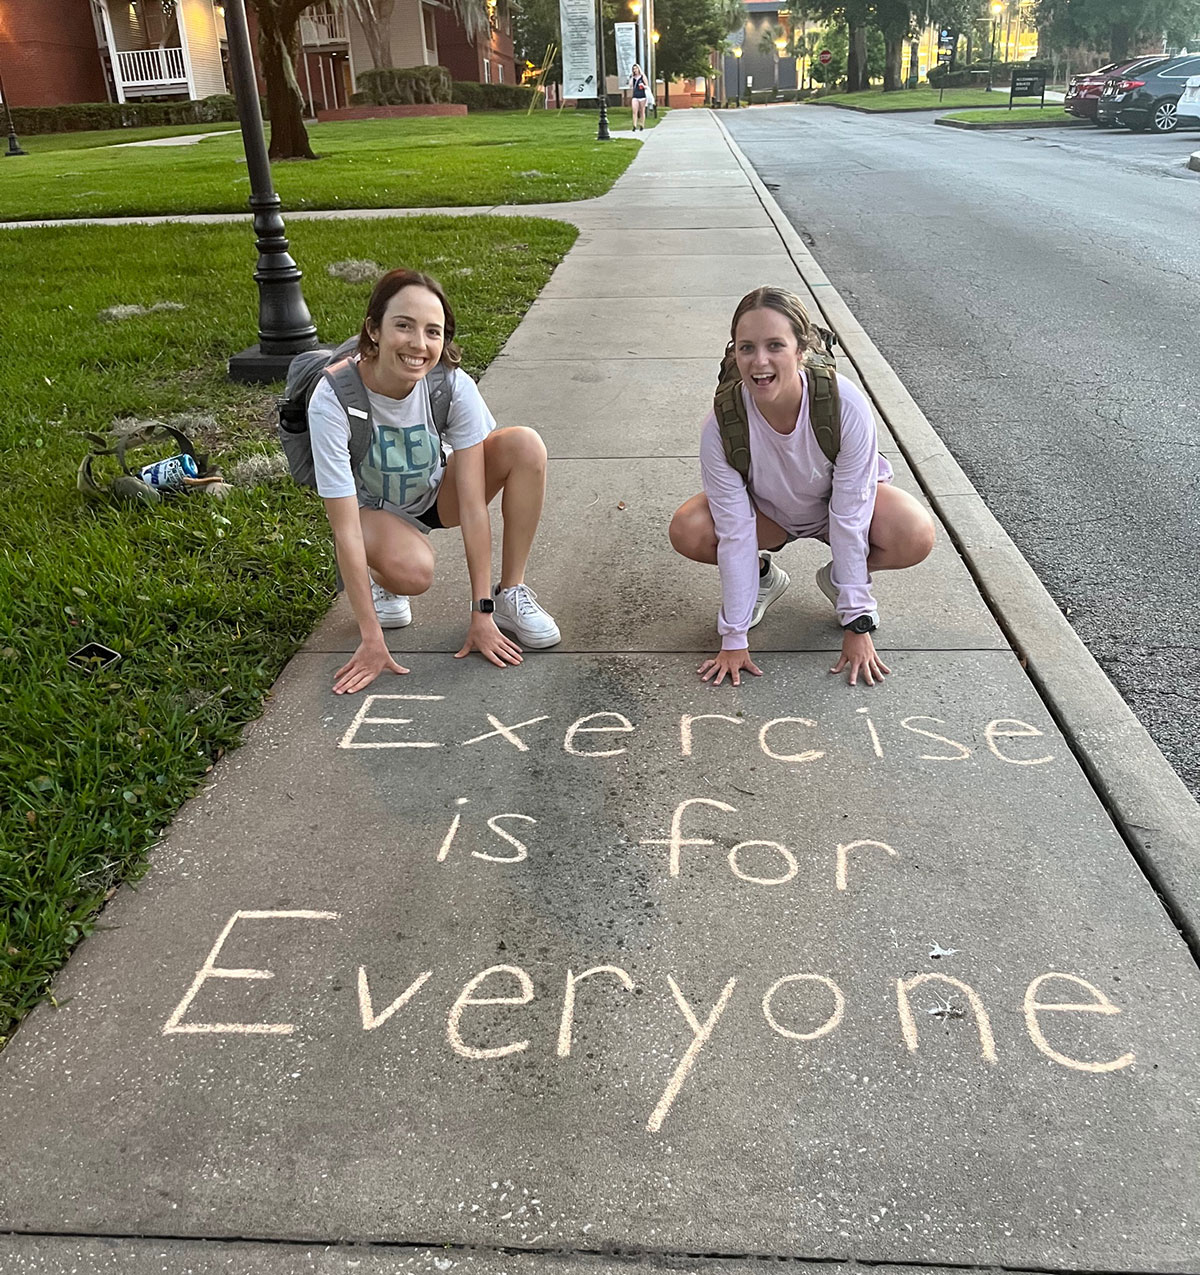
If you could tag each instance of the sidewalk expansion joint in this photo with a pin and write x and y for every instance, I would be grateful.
(620, 1252)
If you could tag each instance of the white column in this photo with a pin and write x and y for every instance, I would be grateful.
(181, 20)
(112, 51)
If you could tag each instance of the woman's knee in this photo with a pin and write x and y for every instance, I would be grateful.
(518, 447)
(409, 573)
(691, 534)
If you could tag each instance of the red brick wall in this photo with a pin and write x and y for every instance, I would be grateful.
(48, 54)
(465, 61)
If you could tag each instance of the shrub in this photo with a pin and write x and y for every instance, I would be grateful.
(403, 86)
(493, 97)
(88, 116)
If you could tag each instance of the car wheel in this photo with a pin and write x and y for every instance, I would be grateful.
(1164, 117)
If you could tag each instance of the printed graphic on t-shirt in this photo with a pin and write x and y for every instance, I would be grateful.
(401, 464)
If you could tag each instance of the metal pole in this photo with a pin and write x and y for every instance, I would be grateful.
(602, 133)
(14, 147)
(992, 55)
(285, 327)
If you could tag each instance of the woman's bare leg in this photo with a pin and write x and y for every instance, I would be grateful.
(515, 463)
(400, 556)
(901, 532)
(693, 535)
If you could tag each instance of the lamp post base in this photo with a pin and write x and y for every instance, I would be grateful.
(14, 147)
(253, 366)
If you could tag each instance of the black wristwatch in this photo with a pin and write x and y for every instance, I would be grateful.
(485, 606)
(863, 624)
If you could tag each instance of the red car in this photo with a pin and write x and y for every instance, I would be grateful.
(1083, 93)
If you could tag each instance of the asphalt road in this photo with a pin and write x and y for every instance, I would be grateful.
(1037, 292)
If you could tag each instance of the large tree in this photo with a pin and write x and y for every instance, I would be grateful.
(690, 30)
(1116, 26)
(278, 48)
(894, 20)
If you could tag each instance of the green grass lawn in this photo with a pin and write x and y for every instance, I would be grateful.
(88, 139)
(924, 98)
(204, 599)
(1052, 112)
(501, 158)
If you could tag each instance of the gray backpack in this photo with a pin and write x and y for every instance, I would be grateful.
(341, 371)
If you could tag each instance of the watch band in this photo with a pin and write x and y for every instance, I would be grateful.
(485, 606)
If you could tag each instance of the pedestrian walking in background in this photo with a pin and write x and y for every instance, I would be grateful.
(639, 92)
(794, 491)
(417, 478)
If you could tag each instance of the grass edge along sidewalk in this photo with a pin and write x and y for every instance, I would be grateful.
(206, 600)
(1051, 116)
(471, 161)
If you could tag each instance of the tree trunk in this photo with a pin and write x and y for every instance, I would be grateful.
(856, 68)
(375, 18)
(278, 44)
(893, 63)
(1120, 39)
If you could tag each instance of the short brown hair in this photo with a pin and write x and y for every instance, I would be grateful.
(387, 287)
(783, 302)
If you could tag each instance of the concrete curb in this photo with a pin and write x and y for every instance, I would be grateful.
(1146, 799)
(1072, 123)
(897, 110)
(1194, 161)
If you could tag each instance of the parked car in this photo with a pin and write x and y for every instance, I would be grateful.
(1083, 92)
(1187, 111)
(1149, 97)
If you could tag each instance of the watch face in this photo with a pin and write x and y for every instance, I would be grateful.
(486, 605)
(863, 624)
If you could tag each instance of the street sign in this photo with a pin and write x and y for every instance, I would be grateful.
(824, 57)
(1027, 84)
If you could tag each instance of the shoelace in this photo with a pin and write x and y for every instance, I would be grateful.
(382, 595)
(524, 599)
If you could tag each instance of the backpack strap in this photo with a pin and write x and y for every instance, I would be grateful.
(347, 384)
(440, 395)
(824, 407)
(732, 421)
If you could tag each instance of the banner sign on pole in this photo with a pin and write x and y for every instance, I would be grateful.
(626, 35)
(578, 19)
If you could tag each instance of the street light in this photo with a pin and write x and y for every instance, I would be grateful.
(737, 53)
(635, 7)
(285, 327)
(997, 10)
(602, 133)
(14, 147)
(780, 43)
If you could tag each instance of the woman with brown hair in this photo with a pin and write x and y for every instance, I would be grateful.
(794, 491)
(415, 479)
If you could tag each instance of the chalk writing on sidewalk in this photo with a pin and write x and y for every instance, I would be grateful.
(793, 740)
(803, 1019)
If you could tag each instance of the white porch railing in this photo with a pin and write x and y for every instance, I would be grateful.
(323, 27)
(152, 68)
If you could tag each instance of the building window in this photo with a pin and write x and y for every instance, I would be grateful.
(487, 71)
(499, 72)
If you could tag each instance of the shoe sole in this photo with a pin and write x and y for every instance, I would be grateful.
(532, 644)
(776, 593)
(393, 624)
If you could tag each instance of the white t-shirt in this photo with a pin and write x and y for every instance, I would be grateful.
(404, 466)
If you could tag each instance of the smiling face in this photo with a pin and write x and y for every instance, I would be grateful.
(410, 337)
(768, 357)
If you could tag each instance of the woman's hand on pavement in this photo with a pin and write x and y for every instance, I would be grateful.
(859, 656)
(731, 664)
(366, 664)
(483, 636)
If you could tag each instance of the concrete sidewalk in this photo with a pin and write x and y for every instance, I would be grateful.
(513, 971)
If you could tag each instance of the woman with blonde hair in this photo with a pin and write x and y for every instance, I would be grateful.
(639, 92)
(794, 491)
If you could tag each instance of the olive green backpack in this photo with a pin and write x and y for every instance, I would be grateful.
(824, 404)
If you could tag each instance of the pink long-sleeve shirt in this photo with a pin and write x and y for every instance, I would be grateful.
(793, 482)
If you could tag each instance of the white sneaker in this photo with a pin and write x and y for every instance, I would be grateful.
(519, 615)
(393, 609)
(770, 587)
(825, 583)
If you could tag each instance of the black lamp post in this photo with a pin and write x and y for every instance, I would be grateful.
(602, 133)
(737, 57)
(14, 147)
(285, 327)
